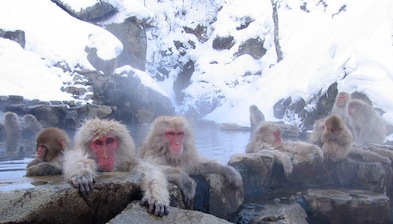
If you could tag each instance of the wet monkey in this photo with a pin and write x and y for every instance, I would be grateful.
(51, 143)
(336, 139)
(31, 127)
(267, 136)
(366, 124)
(170, 142)
(256, 116)
(13, 131)
(104, 146)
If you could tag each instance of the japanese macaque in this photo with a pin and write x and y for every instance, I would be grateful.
(105, 146)
(267, 136)
(51, 143)
(336, 139)
(31, 127)
(366, 124)
(340, 106)
(13, 131)
(318, 128)
(170, 143)
(256, 116)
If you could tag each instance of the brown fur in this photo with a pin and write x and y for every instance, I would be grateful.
(80, 164)
(366, 124)
(155, 147)
(315, 136)
(256, 116)
(56, 141)
(31, 127)
(264, 138)
(13, 130)
(336, 139)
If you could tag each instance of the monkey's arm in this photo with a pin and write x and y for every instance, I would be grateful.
(44, 168)
(80, 170)
(155, 188)
(285, 161)
(185, 183)
(369, 156)
(34, 162)
(205, 167)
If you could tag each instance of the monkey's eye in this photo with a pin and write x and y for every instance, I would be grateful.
(98, 142)
(180, 133)
(110, 140)
(170, 133)
(42, 146)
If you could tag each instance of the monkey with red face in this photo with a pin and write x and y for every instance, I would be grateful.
(170, 143)
(267, 136)
(106, 146)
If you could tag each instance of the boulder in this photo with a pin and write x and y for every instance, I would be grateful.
(270, 212)
(347, 206)
(49, 199)
(135, 213)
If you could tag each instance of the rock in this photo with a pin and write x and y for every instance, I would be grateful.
(262, 175)
(135, 213)
(282, 213)
(347, 206)
(15, 35)
(94, 12)
(49, 199)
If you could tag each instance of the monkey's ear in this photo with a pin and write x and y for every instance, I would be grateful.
(61, 142)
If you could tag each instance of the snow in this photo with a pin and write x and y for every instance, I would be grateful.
(348, 41)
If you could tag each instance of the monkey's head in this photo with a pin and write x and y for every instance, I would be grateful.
(354, 106)
(334, 124)
(108, 142)
(11, 118)
(51, 142)
(342, 99)
(269, 133)
(171, 132)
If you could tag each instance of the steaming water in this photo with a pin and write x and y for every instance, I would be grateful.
(212, 143)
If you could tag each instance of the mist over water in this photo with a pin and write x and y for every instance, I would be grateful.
(211, 142)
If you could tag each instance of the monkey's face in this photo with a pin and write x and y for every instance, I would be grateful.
(42, 150)
(351, 109)
(105, 149)
(277, 138)
(335, 131)
(341, 100)
(175, 140)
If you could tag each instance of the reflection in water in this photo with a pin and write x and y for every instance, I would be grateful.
(212, 143)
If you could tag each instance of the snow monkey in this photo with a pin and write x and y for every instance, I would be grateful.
(51, 143)
(13, 131)
(336, 139)
(170, 143)
(366, 124)
(267, 136)
(31, 127)
(318, 128)
(104, 146)
(256, 116)
(340, 106)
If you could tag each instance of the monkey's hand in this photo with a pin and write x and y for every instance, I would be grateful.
(159, 207)
(188, 187)
(80, 170)
(85, 184)
(35, 162)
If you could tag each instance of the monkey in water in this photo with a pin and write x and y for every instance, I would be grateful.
(31, 127)
(51, 143)
(104, 146)
(170, 142)
(267, 136)
(13, 131)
